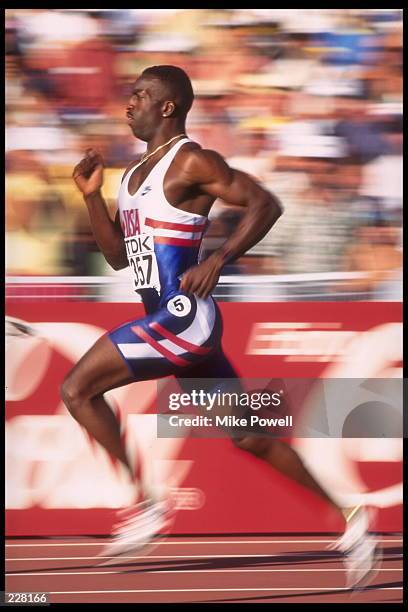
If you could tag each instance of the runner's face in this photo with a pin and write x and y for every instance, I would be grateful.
(144, 109)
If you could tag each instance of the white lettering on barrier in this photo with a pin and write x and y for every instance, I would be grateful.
(299, 341)
(187, 498)
(338, 472)
(51, 464)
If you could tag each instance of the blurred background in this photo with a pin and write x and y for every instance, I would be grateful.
(308, 101)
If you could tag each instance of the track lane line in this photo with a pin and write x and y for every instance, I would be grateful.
(306, 554)
(196, 543)
(198, 571)
(219, 590)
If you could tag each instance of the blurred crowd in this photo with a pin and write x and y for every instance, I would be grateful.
(308, 101)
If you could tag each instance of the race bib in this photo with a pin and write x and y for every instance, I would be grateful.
(142, 260)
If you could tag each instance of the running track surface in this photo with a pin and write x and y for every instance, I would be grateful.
(210, 569)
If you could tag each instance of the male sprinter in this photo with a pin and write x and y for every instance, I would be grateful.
(164, 201)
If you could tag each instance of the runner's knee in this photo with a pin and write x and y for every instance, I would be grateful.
(72, 395)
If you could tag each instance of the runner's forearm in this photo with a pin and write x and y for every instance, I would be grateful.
(259, 218)
(107, 235)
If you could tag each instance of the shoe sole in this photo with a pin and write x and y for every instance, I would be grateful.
(138, 551)
(144, 548)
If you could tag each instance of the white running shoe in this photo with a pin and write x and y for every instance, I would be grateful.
(362, 563)
(362, 555)
(356, 528)
(138, 530)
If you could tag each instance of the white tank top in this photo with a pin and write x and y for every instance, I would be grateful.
(161, 241)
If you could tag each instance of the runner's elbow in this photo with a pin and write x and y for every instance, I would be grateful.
(275, 206)
(117, 265)
(117, 262)
(270, 208)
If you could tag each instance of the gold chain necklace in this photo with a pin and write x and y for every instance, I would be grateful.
(147, 156)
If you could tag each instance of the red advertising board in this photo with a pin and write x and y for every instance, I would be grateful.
(59, 484)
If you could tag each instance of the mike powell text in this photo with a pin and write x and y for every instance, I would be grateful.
(229, 421)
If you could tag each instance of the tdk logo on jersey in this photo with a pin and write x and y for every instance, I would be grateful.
(139, 244)
(146, 190)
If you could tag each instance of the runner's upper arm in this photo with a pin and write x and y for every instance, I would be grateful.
(117, 222)
(214, 176)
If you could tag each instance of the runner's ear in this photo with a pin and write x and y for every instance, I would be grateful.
(168, 108)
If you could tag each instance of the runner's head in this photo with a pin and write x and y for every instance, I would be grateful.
(160, 94)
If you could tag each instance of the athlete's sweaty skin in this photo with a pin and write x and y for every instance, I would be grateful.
(195, 178)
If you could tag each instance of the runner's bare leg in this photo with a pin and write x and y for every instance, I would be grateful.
(285, 459)
(99, 370)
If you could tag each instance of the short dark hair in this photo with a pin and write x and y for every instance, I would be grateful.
(176, 81)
